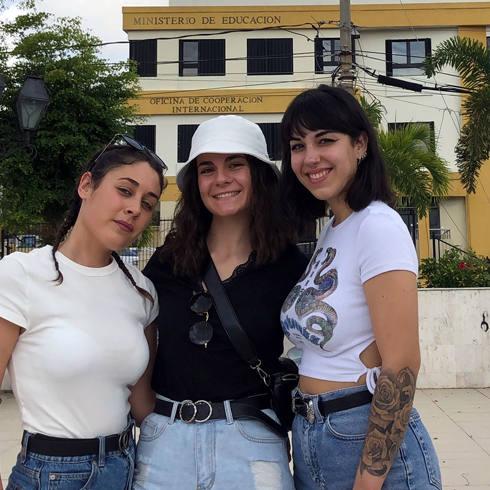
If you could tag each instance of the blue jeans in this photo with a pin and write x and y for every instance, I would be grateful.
(327, 452)
(102, 471)
(218, 454)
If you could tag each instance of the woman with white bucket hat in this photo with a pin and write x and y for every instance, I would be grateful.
(212, 426)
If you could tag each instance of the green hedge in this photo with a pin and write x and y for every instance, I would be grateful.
(455, 269)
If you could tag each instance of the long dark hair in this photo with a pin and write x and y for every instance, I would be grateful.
(99, 166)
(185, 246)
(334, 109)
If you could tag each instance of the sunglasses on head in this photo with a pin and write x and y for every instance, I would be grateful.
(135, 145)
(200, 333)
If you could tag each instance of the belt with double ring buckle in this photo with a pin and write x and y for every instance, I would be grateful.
(201, 411)
(305, 406)
(195, 408)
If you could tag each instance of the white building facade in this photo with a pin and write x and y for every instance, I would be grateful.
(197, 61)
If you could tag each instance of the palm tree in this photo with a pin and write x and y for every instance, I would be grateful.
(472, 60)
(416, 172)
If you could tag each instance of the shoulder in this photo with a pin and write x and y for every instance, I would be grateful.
(378, 217)
(24, 261)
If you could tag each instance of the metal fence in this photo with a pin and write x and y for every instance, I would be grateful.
(137, 254)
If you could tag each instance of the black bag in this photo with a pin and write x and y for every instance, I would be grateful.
(281, 383)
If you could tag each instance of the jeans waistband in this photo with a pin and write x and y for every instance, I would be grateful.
(315, 407)
(66, 447)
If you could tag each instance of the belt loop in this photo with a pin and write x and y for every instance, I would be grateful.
(316, 400)
(25, 443)
(228, 412)
(175, 407)
(101, 459)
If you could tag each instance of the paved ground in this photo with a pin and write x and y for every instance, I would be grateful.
(458, 420)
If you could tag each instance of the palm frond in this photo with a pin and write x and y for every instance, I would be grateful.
(374, 110)
(469, 57)
(415, 169)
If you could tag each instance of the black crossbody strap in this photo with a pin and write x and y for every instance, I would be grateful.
(230, 322)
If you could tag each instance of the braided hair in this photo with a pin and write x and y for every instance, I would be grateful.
(99, 165)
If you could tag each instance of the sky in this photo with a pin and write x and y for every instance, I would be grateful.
(102, 17)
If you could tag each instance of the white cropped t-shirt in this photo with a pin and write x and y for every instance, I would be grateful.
(326, 313)
(83, 343)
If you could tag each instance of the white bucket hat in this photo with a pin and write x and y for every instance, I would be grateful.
(226, 134)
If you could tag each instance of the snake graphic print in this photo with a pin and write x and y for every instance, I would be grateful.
(308, 298)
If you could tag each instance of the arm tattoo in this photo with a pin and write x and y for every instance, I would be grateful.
(388, 420)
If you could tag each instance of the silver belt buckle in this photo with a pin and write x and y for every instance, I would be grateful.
(310, 412)
(194, 406)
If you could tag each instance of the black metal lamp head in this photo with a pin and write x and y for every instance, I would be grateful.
(32, 102)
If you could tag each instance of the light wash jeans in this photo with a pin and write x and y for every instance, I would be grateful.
(218, 454)
(326, 453)
(104, 471)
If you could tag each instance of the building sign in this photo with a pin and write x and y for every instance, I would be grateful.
(214, 102)
(430, 14)
(205, 20)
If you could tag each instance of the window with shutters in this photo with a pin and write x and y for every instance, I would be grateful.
(201, 57)
(327, 54)
(146, 135)
(429, 124)
(269, 56)
(144, 52)
(273, 137)
(406, 56)
(185, 132)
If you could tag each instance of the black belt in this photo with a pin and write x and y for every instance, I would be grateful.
(201, 411)
(305, 408)
(60, 446)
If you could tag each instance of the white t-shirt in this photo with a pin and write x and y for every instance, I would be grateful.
(82, 346)
(326, 313)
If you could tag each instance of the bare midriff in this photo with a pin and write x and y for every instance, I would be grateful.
(370, 357)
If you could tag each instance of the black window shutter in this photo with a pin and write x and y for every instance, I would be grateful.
(318, 55)
(256, 56)
(212, 57)
(280, 54)
(389, 59)
(184, 138)
(144, 52)
(273, 137)
(146, 135)
(428, 48)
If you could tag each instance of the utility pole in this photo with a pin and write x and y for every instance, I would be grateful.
(346, 75)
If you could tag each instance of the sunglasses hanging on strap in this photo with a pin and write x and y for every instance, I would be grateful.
(278, 384)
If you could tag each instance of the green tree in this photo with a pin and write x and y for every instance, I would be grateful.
(89, 104)
(417, 173)
(472, 60)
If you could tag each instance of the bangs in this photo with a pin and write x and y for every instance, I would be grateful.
(314, 111)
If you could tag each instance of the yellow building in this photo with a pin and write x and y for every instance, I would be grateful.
(199, 61)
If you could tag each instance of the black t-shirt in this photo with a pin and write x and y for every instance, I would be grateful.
(184, 370)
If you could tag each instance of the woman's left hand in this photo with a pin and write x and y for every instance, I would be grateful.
(392, 301)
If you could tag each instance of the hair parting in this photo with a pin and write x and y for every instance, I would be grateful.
(99, 166)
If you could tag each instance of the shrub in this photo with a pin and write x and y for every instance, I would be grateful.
(455, 269)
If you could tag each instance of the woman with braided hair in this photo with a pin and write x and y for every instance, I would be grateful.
(73, 322)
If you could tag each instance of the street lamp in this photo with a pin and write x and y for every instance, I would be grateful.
(32, 102)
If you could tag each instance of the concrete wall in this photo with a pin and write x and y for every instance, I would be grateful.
(455, 349)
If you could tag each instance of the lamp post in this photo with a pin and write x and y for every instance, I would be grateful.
(2, 85)
(32, 102)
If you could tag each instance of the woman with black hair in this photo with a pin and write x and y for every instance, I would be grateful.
(205, 432)
(354, 311)
(72, 329)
